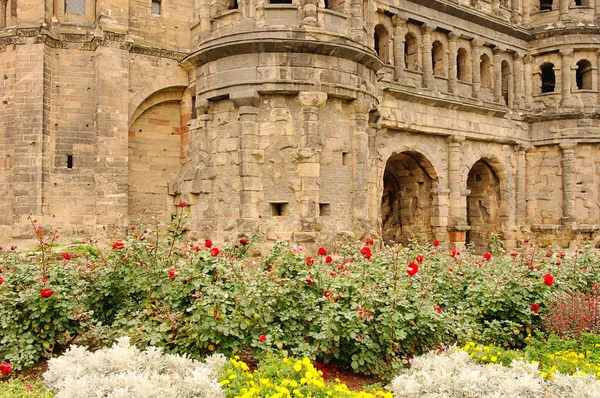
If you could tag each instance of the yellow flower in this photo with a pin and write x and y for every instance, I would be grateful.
(494, 358)
(298, 366)
(224, 382)
(306, 361)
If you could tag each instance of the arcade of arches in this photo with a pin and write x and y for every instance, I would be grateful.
(409, 204)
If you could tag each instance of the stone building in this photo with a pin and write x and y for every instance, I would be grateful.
(405, 119)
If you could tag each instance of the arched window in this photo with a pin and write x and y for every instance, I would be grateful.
(545, 5)
(382, 43)
(485, 71)
(462, 65)
(437, 59)
(410, 51)
(583, 75)
(505, 80)
(548, 78)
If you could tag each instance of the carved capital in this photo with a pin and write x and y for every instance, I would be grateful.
(245, 98)
(427, 28)
(517, 57)
(456, 139)
(566, 52)
(399, 20)
(453, 36)
(567, 146)
(362, 106)
(312, 98)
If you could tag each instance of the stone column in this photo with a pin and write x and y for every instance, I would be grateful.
(568, 182)
(564, 9)
(498, 76)
(566, 76)
(309, 12)
(359, 150)
(3, 13)
(457, 203)
(452, 54)
(597, 9)
(515, 15)
(521, 198)
(495, 7)
(251, 156)
(526, 13)
(356, 21)
(528, 81)
(428, 80)
(517, 80)
(205, 24)
(530, 192)
(200, 144)
(369, 13)
(399, 33)
(373, 182)
(308, 161)
(475, 69)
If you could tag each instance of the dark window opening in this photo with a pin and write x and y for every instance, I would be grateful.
(437, 59)
(279, 209)
(233, 5)
(324, 210)
(548, 78)
(545, 5)
(583, 75)
(345, 159)
(382, 42)
(485, 72)
(462, 69)
(194, 111)
(578, 3)
(69, 161)
(280, 2)
(410, 52)
(156, 7)
(506, 77)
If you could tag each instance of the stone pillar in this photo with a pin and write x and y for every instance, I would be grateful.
(517, 80)
(369, 14)
(526, 13)
(373, 175)
(530, 192)
(452, 54)
(399, 33)
(251, 156)
(359, 150)
(309, 13)
(528, 81)
(521, 199)
(205, 24)
(564, 9)
(475, 69)
(112, 125)
(495, 7)
(498, 76)
(457, 203)
(568, 182)
(428, 80)
(515, 15)
(356, 21)
(308, 160)
(565, 73)
(3, 13)
(200, 142)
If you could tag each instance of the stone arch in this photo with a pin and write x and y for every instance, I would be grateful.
(409, 199)
(411, 52)
(485, 69)
(463, 66)
(172, 80)
(505, 81)
(486, 201)
(155, 149)
(437, 58)
(382, 43)
(583, 75)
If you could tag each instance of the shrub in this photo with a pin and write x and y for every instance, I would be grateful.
(124, 371)
(574, 313)
(18, 388)
(454, 374)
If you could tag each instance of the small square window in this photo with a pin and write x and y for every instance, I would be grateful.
(75, 7)
(324, 210)
(156, 7)
(345, 159)
(279, 209)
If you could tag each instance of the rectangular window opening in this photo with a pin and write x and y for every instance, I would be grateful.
(280, 2)
(279, 209)
(345, 159)
(69, 161)
(324, 210)
(194, 111)
(156, 9)
(75, 7)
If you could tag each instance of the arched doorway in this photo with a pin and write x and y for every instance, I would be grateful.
(407, 200)
(483, 204)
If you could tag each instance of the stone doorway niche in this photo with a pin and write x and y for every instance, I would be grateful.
(407, 203)
(483, 205)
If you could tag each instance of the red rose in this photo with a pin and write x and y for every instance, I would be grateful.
(328, 259)
(44, 279)
(513, 254)
(46, 293)
(327, 293)
(309, 282)
(419, 259)
(535, 308)
(438, 309)
(182, 204)
(436, 243)
(366, 252)
(548, 279)
(196, 248)
(357, 337)
(1, 280)
(548, 254)
(208, 243)
(118, 245)
(412, 269)
(369, 241)
(172, 273)
(66, 256)
(243, 241)
(262, 338)
(309, 261)
(13, 248)
(214, 252)
(487, 256)
(5, 368)
(322, 251)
